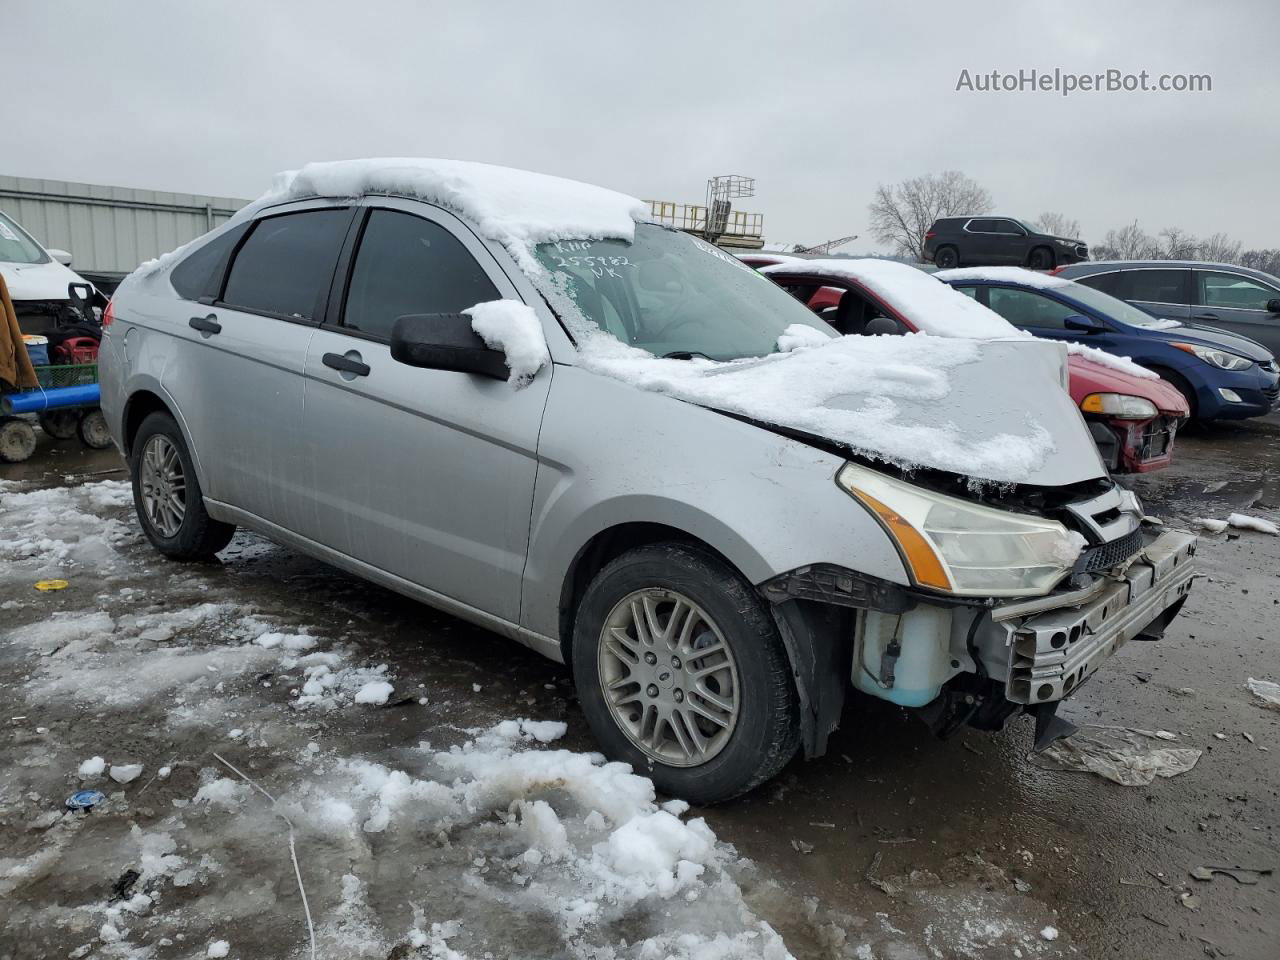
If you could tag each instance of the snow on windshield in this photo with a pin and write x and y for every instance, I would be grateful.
(930, 305)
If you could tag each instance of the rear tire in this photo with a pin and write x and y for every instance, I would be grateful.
(1041, 258)
(946, 258)
(17, 441)
(166, 494)
(700, 696)
(59, 424)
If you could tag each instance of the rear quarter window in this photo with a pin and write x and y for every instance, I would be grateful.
(200, 273)
(1105, 282)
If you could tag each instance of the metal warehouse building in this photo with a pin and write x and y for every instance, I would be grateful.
(110, 230)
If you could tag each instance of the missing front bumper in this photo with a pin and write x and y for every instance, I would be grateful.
(1054, 650)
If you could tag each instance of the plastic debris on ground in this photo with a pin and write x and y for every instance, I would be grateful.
(1129, 757)
(1266, 691)
(85, 799)
(45, 586)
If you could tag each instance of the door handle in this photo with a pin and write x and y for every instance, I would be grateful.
(207, 325)
(1205, 316)
(346, 364)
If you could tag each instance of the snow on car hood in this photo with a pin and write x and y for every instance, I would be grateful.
(38, 281)
(975, 408)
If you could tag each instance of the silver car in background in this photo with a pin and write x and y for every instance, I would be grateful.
(718, 584)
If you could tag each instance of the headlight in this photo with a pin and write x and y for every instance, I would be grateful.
(1119, 405)
(1219, 358)
(963, 548)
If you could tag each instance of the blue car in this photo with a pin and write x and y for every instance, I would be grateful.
(1223, 376)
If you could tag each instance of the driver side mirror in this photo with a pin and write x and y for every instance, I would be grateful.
(1084, 324)
(445, 341)
(1273, 306)
(62, 256)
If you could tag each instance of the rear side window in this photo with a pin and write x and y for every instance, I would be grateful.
(200, 274)
(967, 291)
(1232, 290)
(406, 265)
(285, 266)
(1105, 282)
(1155, 286)
(1023, 308)
(982, 226)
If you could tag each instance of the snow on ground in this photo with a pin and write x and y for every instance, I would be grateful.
(490, 840)
(514, 329)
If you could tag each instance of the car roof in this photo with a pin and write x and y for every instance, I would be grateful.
(1102, 266)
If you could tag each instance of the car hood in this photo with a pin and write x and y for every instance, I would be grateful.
(1089, 376)
(38, 281)
(987, 410)
(1213, 337)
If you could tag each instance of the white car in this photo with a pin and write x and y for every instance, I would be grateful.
(39, 280)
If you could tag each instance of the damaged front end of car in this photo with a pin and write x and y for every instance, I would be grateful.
(999, 620)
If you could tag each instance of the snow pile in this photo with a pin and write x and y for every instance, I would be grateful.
(514, 329)
(852, 390)
(1241, 522)
(929, 304)
(1266, 691)
(374, 693)
(539, 832)
(799, 335)
(1111, 360)
(1031, 278)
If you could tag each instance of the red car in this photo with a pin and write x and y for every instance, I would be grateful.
(1132, 414)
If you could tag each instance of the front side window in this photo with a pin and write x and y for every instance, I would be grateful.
(1156, 286)
(16, 246)
(1233, 290)
(285, 266)
(671, 294)
(1024, 308)
(409, 265)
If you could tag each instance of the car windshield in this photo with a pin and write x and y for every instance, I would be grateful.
(16, 246)
(1113, 307)
(674, 295)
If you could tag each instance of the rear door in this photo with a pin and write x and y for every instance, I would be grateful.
(236, 373)
(996, 241)
(1238, 304)
(424, 474)
(1160, 291)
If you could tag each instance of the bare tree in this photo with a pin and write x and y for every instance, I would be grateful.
(1058, 225)
(1127, 243)
(902, 213)
(1268, 261)
(1219, 248)
(1177, 244)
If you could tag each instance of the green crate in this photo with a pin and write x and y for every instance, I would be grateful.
(67, 375)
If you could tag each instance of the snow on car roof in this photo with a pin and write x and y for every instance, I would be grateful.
(1032, 278)
(929, 304)
(516, 208)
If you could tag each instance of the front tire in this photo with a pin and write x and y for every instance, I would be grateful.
(1041, 258)
(681, 673)
(166, 494)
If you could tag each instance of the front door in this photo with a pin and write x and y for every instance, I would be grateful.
(425, 474)
(1237, 304)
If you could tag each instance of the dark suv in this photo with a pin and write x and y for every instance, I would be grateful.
(982, 241)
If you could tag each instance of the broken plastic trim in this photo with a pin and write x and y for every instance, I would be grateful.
(829, 583)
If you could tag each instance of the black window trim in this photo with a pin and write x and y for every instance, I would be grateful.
(992, 233)
(1197, 289)
(218, 303)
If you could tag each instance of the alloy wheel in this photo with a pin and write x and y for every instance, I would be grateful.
(164, 486)
(669, 677)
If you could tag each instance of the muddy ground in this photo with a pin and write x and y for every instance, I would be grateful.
(919, 848)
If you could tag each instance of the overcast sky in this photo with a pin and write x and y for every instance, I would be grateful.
(820, 102)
